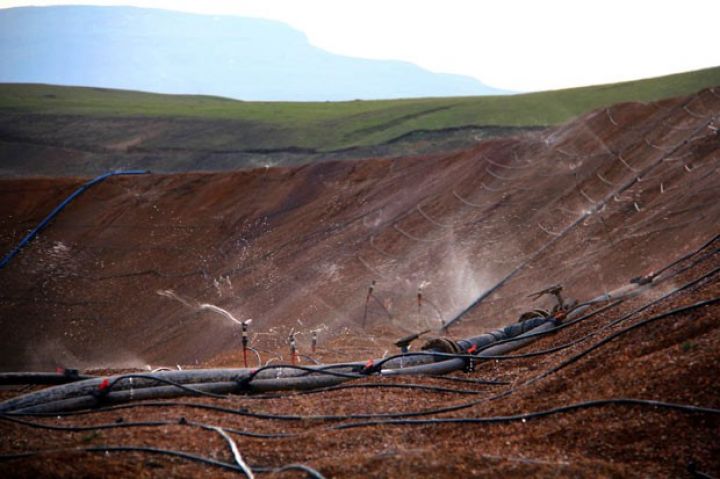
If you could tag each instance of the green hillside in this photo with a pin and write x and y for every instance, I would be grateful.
(334, 125)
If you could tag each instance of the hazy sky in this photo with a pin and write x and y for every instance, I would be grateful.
(521, 45)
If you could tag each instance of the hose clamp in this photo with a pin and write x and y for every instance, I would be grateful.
(103, 389)
(470, 364)
(243, 382)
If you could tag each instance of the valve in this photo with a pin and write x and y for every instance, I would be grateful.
(245, 342)
(552, 290)
(367, 301)
(404, 343)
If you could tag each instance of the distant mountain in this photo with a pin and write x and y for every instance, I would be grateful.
(170, 52)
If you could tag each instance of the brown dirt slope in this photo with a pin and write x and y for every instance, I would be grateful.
(609, 196)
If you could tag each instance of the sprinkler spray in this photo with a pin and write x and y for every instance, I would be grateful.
(293, 347)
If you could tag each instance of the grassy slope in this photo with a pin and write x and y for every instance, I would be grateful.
(328, 126)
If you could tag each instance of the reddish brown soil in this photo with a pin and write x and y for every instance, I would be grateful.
(298, 247)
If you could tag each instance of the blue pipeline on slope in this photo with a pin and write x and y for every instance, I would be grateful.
(29, 237)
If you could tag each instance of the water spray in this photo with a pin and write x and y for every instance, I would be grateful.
(220, 311)
(168, 293)
(293, 347)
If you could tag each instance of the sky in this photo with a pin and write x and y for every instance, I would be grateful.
(518, 45)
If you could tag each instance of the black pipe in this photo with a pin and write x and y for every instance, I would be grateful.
(95, 391)
(168, 452)
(41, 378)
(688, 408)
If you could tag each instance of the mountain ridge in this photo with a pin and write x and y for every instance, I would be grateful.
(163, 51)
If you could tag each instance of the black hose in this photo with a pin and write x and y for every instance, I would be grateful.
(599, 344)
(56, 211)
(340, 387)
(152, 450)
(686, 256)
(433, 421)
(490, 382)
(125, 425)
(413, 387)
(41, 378)
(560, 326)
(607, 326)
(457, 363)
(689, 408)
(167, 452)
(618, 302)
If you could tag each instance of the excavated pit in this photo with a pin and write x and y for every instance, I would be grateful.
(612, 195)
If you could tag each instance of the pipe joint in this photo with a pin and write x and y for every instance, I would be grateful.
(243, 382)
(101, 393)
(443, 345)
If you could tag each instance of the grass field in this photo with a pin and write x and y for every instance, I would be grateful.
(334, 125)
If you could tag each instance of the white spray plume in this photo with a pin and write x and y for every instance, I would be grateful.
(465, 283)
(218, 310)
(168, 293)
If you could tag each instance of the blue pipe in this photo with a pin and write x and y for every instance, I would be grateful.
(30, 236)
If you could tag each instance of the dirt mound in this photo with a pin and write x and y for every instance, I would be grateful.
(612, 195)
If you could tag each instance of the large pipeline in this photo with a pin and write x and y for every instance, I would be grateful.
(435, 361)
(122, 388)
(455, 364)
(42, 378)
(213, 382)
(56, 211)
(192, 379)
